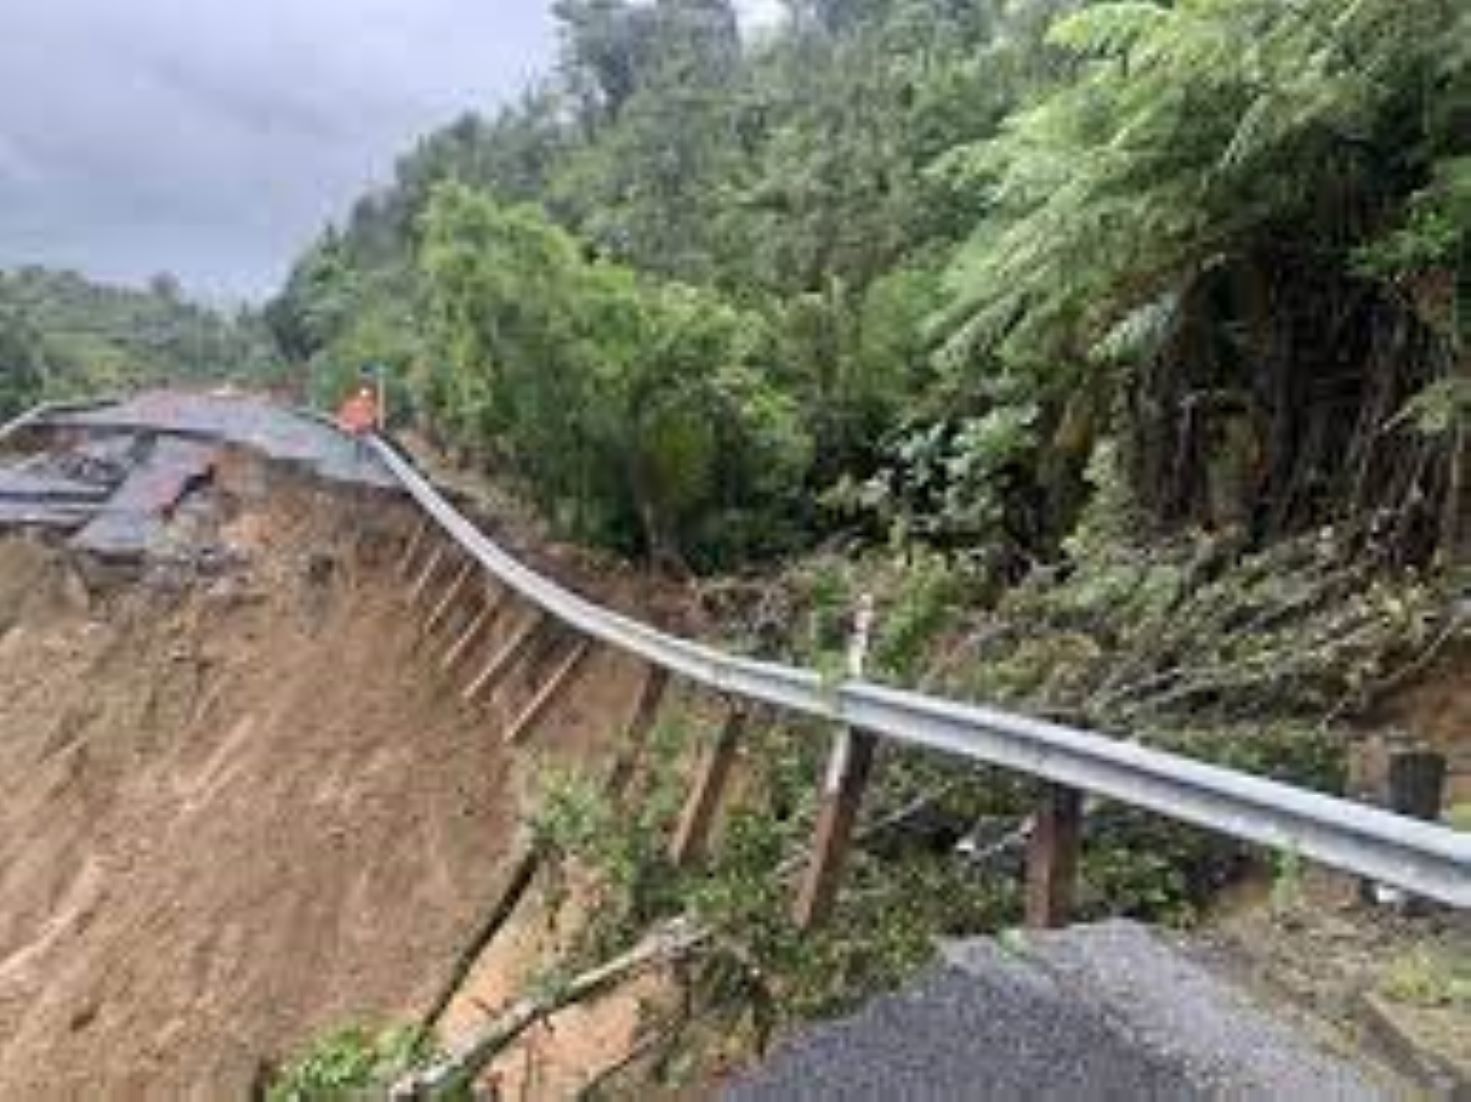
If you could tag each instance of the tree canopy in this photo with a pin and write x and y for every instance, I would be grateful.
(906, 265)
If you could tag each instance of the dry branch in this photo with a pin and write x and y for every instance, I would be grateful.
(672, 942)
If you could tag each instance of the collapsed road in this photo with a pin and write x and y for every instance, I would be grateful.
(115, 479)
(242, 803)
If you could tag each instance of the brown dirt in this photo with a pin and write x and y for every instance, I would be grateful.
(560, 1056)
(234, 815)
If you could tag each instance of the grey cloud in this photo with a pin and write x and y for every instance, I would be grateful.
(213, 138)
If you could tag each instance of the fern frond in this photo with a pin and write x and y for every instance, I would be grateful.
(1107, 30)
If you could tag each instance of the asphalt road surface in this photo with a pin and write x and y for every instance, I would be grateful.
(239, 419)
(1112, 1011)
(113, 476)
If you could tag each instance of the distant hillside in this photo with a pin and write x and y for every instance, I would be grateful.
(63, 334)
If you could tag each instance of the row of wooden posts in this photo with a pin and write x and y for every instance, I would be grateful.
(429, 563)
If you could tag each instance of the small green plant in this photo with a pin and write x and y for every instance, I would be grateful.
(347, 1065)
(1287, 881)
(1429, 978)
(1013, 941)
(925, 605)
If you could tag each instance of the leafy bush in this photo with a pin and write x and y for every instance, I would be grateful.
(637, 410)
(347, 1066)
(1429, 977)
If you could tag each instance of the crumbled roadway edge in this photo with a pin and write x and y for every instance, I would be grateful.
(1110, 1011)
(243, 420)
(167, 445)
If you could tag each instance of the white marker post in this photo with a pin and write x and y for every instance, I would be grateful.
(849, 765)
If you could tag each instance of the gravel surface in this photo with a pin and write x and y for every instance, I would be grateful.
(1178, 1008)
(1104, 1012)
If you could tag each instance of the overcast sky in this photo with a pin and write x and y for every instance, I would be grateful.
(212, 138)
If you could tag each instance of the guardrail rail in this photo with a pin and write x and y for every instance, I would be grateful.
(1423, 858)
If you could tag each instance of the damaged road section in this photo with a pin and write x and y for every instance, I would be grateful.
(138, 480)
(135, 519)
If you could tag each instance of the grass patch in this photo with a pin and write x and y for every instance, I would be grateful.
(1429, 977)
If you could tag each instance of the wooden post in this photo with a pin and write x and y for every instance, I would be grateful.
(431, 568)
(1417, 783)
(636, 731)
(1414, 786)
(1052, 857)
(479, 625)
(406, 564)
(563, 676)
(451, 595)
(691, 839)
(849, 767)
(500, 665)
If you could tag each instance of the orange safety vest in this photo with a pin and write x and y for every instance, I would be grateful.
(359, 414)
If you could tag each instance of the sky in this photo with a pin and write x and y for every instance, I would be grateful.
(213, 138)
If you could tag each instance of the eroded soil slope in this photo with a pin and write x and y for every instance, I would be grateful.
(235, 812)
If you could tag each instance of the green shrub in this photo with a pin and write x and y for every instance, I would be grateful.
(348, 1065)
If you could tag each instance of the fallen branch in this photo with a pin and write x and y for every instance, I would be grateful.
(672, 942)
(1455, 626)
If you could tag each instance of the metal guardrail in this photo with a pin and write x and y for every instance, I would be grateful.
(1423, 858)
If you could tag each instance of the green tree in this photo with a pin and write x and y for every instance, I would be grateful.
(22, 364)
(1185, 213)
(636, 409)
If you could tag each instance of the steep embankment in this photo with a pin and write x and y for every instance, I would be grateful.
(236, 813)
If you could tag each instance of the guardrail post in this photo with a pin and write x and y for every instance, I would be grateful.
(447, 602)
(848, 772)
(636, 730)
(849, 767)
(1417, 783)
(411, 552)
(1052, 857)
(692, 836)
(480, 624)
(1414, 785)
(563, 676)
(500, 665)
(431, 568)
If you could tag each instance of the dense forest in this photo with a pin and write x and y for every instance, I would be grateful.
(63, 335)
(903, 267)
